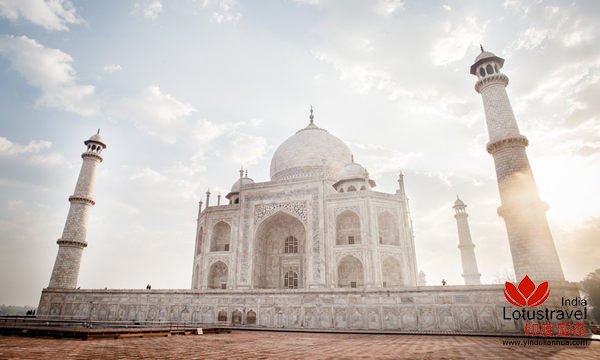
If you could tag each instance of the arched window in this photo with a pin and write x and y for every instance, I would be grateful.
(489, 69)
(222, 316)
(341, 189)
(250, 317)
(350, 272)
(389, 233)
(482, 71)
(291, 245)
(351, 188)
(220, 237)
(236, 317)
(290, 280)
(217, 276)
(199, 242)
(347, 228)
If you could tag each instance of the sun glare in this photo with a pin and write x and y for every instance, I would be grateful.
(571, 187)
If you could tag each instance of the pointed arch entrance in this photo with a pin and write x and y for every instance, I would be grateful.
(279, 249)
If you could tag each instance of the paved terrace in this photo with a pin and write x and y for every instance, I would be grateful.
(282, 345)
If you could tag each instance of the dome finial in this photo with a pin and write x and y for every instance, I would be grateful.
(98, 131)
(242, 172)
(246, 173)
(481, 47)
(352, 158)
(311, 117)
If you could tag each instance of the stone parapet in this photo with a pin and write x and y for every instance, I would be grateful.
(475, 308)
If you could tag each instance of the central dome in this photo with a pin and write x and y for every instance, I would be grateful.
(310, 152)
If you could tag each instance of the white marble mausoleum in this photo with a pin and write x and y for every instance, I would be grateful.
(318, 223)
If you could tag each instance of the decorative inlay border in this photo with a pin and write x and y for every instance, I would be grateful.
(263, 211)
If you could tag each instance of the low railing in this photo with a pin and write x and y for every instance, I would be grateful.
(73, 322)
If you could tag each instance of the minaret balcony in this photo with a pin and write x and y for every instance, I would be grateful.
(495, 146)
(491, 80)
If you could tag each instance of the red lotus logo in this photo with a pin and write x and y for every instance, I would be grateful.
(526, 294)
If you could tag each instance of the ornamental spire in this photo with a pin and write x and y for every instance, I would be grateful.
(481, 47)
(311, 117)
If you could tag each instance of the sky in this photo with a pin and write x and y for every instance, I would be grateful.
(187, 92)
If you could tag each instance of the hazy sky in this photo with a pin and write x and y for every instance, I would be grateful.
(186, 92)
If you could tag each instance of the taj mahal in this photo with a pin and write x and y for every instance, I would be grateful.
(317, 224)
(318, 247)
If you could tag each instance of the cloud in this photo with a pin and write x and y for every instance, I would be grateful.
(515, 7)
(364, 77)
(150, 9)
(31, 153)
(206, 131)
(49, 160)
(247, 149)
(568, 83)
(458, 40)
(51, 71)
(308, 2)
(155, 112)
(388, 7)
(380, 160)
(112, 68)
(8, 147)
(551, 23)
(147, 174)
(223, 10)
(51, 15)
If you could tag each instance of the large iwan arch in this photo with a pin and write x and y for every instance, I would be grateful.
(272, 258)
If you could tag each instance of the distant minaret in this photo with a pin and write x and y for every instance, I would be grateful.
(72, 242)
(531, 245)
(465, 244)
(422, 279)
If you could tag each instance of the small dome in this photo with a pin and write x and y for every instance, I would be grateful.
(241, 181)
(459, 203)
(353, 171)
(484, 55)
(96, 138)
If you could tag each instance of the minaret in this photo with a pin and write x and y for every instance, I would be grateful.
(465, 244)
(412, 277)
(72, 242)
(531, 245)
